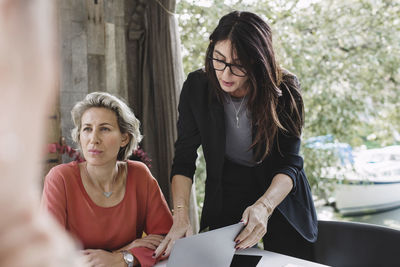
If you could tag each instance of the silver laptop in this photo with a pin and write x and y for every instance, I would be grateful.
(211, 249)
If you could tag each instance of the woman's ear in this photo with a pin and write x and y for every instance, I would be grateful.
(125, 139)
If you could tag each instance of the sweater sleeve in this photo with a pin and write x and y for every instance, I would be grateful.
(54, 196)
(158, 220)
(144, 256)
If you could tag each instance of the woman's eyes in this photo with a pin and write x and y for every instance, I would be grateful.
(218, 57)
(88, 129)
(236, 63)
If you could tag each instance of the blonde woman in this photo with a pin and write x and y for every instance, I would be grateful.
(107, 202)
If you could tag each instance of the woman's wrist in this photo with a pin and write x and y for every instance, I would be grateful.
(179, 209)
(119, 257)
(266, 202)
(180, 214)
(126, 258)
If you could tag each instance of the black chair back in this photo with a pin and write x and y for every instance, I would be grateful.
(356, 244)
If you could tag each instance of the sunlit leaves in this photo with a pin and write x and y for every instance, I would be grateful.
(346, 54)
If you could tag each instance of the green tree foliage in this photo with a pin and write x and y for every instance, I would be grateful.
(346, 54)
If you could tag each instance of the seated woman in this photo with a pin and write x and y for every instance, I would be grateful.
(108, 202)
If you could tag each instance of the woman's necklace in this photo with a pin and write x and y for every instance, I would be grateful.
(106, 194)
(237, 111)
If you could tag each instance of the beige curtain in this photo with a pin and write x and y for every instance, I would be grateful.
(155, 78)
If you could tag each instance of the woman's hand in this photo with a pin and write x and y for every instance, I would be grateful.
(180, 186)
(180, 228)
(149, 241)
(102, 258)
(255, 218)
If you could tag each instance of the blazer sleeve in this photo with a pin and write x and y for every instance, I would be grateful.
(288, 158)
(54, 198)
(287, 144)
(298, 207)
(158, 220)
(189, 139)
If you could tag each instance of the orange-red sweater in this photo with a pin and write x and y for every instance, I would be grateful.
(143, 209)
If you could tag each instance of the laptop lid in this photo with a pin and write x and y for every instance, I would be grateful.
(211, 249)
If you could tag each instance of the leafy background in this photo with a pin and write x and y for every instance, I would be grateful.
(346, 54)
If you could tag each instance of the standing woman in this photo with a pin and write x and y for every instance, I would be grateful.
(108, 202)
(247, 114)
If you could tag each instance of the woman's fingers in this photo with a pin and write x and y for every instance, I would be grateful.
(162, 247)
(154, 238)
(244, 220)
(149, 245)
(245, 216)
(177, 231)
(165, 247)
(189, 231)
(169, 248)
(155, 242)
(245, 233)
(149, 241)
(253, 238)
(256, 217)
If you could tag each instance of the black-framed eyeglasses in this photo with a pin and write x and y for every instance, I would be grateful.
(235, 69)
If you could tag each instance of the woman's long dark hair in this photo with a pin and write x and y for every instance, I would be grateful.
(274, 98)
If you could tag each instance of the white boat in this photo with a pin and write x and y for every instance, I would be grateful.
(374, 185)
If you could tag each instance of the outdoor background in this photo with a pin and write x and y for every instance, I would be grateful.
(346, 56)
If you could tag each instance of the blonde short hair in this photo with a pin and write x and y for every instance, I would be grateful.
(126, 119)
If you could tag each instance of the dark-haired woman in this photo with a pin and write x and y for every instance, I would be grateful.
(247, 114)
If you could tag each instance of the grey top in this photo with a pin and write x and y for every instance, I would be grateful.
(238, 131)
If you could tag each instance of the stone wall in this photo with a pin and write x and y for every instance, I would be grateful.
(92, 49)
(129, 48)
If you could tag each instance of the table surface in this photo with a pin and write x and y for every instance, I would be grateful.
(270, 259)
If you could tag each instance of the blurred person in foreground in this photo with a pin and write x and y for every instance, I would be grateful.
(28, 72)
(246, 112)
(107, 202)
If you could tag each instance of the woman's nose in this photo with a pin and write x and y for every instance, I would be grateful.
(226, 72)
(94, 138)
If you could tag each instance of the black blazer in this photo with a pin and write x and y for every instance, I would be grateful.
(201, 122)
